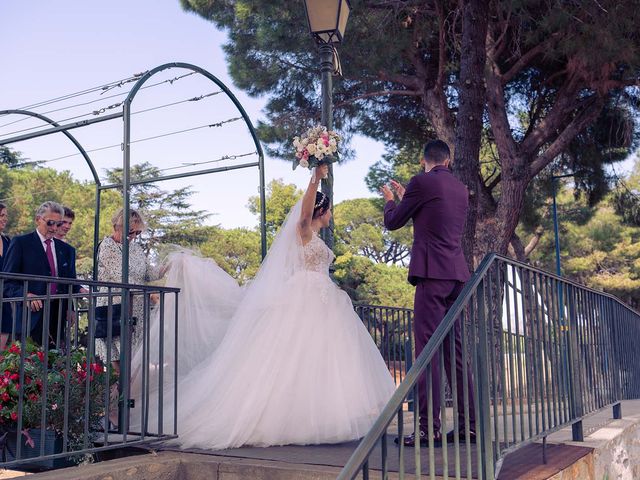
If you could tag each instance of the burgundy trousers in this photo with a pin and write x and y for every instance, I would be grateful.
(432, 301)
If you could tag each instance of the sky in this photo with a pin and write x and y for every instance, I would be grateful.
(51, 49)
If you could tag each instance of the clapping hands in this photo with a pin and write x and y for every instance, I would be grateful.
(387, 194)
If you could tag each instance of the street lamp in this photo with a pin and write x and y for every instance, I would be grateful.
(327, 21)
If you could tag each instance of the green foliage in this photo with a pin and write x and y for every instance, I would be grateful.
(373, 283)
(359, 229)
(279, 199)
(401, 86)
(237, 251)
(598, 248)
(167, 213)
(626, 198)
(398, 165)
(9, 157)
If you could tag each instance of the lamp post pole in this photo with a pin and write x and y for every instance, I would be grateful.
(327, 20)
(556, 230)
(326, 69)
(556, 235)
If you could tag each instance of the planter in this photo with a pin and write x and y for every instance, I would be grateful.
(52, 445)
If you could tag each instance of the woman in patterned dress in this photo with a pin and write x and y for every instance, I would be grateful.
(110, 270)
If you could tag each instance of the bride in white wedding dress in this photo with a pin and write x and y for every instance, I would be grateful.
(295, 364)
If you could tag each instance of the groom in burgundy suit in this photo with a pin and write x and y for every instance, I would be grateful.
(437, 202)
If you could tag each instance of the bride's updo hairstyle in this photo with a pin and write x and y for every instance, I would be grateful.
(321, 206)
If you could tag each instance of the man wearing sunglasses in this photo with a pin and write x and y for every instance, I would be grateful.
(39, 253)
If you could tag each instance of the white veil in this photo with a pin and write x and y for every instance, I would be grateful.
(207, 300)
(283, 260)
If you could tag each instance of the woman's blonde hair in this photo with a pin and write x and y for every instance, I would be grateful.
(134, 217)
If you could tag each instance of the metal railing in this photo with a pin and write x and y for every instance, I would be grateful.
(535, 353)
(56, 388)
(392, 331)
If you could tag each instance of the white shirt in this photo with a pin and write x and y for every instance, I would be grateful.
(53, 250)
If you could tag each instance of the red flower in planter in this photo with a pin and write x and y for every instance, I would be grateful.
(66, 402)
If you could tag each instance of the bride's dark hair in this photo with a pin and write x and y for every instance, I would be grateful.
(322, 205)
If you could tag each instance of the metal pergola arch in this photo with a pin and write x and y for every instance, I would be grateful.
(125, 114)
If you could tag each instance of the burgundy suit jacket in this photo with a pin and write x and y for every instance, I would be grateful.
(437, 202)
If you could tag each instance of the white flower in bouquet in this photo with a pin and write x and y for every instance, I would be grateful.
(317, 145)
(311, 148)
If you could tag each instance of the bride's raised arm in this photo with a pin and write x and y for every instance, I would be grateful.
(308, 203)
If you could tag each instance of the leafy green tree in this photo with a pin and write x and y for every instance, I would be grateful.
(415, 70)
(236, 250)
(279, 199)
(9, 157)
(626, 198)
(372, 283)
(598, 248)
(399, 165)
(167, 213)
(359, 229)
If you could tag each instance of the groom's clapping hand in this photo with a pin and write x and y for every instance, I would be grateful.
(387, 194)
(398, 188)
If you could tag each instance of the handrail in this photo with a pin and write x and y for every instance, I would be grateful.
(359, 456)
(78, 281)
(543, 297)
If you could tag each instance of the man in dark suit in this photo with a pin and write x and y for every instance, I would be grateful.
(437, 203)
(39, 253)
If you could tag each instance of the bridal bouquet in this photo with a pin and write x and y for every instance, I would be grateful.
(317, 145)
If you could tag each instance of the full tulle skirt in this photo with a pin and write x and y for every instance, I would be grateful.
(293, 364)
(303, 370)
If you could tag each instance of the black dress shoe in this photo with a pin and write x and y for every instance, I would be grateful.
(410, 440)
(461, 436)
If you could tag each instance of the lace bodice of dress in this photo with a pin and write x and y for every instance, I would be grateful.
(317, 256)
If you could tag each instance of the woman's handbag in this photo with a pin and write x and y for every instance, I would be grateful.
(101, 316)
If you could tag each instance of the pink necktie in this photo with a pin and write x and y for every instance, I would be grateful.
(52, 265)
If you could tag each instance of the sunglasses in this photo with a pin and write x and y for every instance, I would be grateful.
(51, 223)
(135, 232)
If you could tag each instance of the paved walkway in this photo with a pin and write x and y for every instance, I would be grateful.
(325, 461)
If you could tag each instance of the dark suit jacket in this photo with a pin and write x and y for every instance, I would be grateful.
(437, 202)
(26, 255)
(5, 247)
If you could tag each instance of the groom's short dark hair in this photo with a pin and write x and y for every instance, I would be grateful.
(437, 152)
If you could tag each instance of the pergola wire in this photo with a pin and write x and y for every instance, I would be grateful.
(217, 160)
(111, 107)
(105, 87)
(119, 145)
(84, 92)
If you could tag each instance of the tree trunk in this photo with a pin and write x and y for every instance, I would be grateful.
(471, 95)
